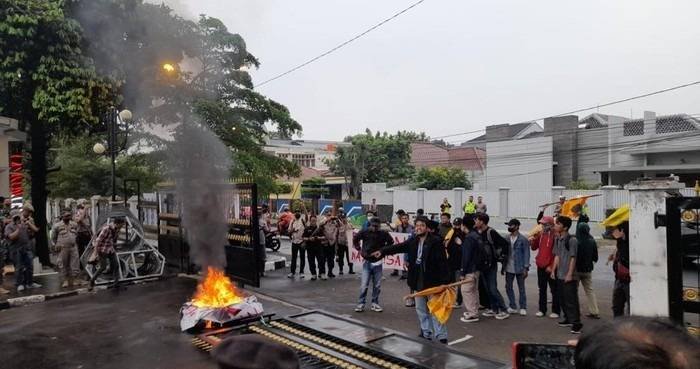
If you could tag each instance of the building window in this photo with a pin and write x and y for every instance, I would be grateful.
(304, 160)
(633, 128)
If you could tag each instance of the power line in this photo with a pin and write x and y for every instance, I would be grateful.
(589, 108)
(387, 20)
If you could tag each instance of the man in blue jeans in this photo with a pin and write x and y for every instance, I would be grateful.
(427, 267)
(18, 233)
(516, 267)
(494, 248)
(373, 239)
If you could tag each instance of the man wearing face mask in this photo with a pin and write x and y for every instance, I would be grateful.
(544, 242)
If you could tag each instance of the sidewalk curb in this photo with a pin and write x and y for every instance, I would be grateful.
(35, 299)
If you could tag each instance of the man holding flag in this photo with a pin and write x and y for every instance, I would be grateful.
(427, 267)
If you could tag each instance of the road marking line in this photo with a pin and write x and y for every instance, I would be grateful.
(465, 338)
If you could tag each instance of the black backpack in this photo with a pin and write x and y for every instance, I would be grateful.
(485, 255)
(496, 245)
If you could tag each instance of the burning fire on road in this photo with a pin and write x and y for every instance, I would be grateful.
(217, 303)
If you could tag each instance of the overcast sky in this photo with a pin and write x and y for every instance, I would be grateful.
(450, 66)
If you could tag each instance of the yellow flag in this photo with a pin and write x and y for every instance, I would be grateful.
(572, 207)
(440, 305)
(620, 215)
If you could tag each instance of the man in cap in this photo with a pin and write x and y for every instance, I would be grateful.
(543, 243)
(516, 265)
(19, 233)
(252, 351)
(104, 245)
(64, 238)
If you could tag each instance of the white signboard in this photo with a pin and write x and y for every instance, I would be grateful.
(389, 262)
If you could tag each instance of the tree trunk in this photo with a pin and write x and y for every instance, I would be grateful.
(37, 134)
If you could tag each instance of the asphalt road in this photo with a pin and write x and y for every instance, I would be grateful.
(490, 338)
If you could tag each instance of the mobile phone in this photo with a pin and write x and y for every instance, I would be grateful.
(543, 356)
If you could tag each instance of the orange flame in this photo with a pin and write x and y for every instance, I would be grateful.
(216, 291)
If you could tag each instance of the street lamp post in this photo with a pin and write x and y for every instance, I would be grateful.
(113, 120)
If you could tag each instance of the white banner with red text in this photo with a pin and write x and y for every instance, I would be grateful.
(389, 262)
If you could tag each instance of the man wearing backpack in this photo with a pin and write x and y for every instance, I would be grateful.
(495, 249)
(565, 250)
(471, 253)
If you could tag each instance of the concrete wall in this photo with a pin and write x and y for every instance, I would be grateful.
(563, 132)
(592, 153)
(520, 165)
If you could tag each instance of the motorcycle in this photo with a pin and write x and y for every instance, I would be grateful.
(272, 241)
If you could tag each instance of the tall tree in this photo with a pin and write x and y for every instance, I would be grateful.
(374, 157)
(207, 79)
(441, 178)
(47, 83)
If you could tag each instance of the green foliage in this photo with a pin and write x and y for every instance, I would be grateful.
(83, 173)
(378, 157)
(441, 178)
(45, 78)
(582, 185)
(210, 83)
(314, 187)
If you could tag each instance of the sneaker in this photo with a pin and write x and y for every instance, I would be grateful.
(351, 272)
(593, 316)
(290, 275)
(469, 319)
(539, 314)
(324, 277)
(376, 308)
(331, 275)
(554, 316)
(512, 311)
(34, 285)
(64, 284)
(576, 329)
(565, 323)
(488, 312)
(302, 275)
(410, 302)
(20, 288)
(340, 272)
(313, 277)
(359, 308)
(443, 341)
(403, 278)
(394, 273)
(523, 312)
(4, 291)
(456, 306)
(502, 315)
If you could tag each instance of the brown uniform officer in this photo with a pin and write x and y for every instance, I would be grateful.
(63, 235)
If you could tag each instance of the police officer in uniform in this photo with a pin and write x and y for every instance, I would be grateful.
(63, 235)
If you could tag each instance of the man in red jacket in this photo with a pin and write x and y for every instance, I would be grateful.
(544, 242)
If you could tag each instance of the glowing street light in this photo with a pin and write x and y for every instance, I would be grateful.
(168, 68)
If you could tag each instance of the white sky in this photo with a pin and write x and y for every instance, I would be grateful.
(450, 66)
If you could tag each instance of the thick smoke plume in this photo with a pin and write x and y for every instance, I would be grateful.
(200, 165)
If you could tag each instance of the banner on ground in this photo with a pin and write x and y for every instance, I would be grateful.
(389, 262)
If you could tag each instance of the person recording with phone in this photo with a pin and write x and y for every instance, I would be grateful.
(20, 233)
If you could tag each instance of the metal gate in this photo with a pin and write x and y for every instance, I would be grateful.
(244, 255)
(683, 245)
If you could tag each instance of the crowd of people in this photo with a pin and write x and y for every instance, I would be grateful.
(467, 249)
(68, 239)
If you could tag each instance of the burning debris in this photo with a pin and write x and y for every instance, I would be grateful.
(216, 303)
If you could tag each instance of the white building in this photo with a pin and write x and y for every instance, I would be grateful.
(306, 153)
